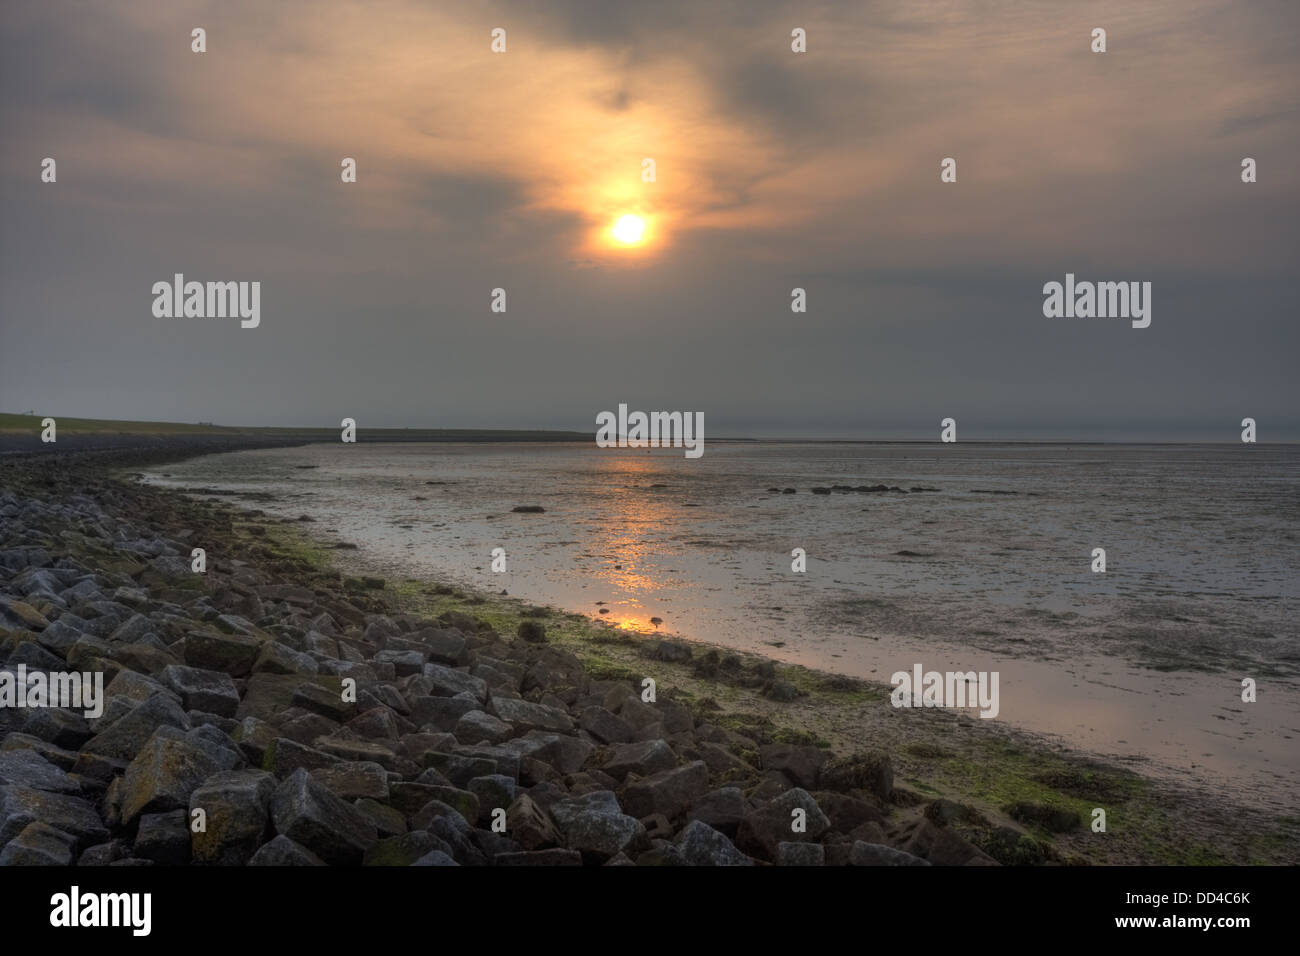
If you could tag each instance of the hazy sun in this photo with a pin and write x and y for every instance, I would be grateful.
(629, 229)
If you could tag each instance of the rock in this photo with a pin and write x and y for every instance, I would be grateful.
(358, 750)
(781, 691)
(27, 768)
(532, 632)
(447, 682)
(164, 838)
(556, 857)
(444, 646)
(19, 615)
(404, 663)
(875, 854)
(232, 654)
(800, 854)
(701, 845)
(63, 728)
(39, 844)
(772, 823)
(670, 792)
(128, 734)
(801, 765)
(525, 716)
(354, 780)
(168, 768)
(442, 713)
(235, 805)
(462, 801)
(943, 847)
(375, 723)
(35, 657)
(477, 726)
(644, 758)
(284, 852)
(388, 821)
(436, 858)
(671, 651)
(662, 853)
(530, 825)
(253, 737)
(309, 814)
(325, 702)
(277, 658)
(847, 813)
(20, 806)
(494, 791)
(63, 759)
(605, 726)
(720, 760)
(872, 772)
(721, 809)
(210, 691)
(565, 754)
(284, 756)
(595, 825)
(1054, 819)
(406, 850)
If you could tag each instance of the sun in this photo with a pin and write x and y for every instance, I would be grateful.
(629, 230)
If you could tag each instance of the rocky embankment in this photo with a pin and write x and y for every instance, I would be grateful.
(268, 712)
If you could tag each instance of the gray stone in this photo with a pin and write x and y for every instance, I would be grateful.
(447, 682)
(129, 733)
(801, 765)
(477, 726)
(233, 654)
(605, 726)
(283, 851)
(168, 768)
(670, 792)
(309, 814)
(876, 854)
(525, 716)
(164, 838)
(771, 824)
(701, 845)
(354, 780)
(27, 768)
(721, 809)
(206, 690)
(235, 804)
(643, 758)
(800, 854)
(39, 844)
(20, 806)
(565, 754)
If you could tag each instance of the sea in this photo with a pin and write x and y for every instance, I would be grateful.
(976, 557)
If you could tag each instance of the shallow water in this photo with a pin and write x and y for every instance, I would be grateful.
(1143, 662)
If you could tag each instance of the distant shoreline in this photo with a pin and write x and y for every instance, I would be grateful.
(21, 434)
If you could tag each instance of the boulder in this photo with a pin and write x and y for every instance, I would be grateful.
(701, 845)
(168, 768)
(236, 809)
(307, 813)
(670, 792)
(198, 689)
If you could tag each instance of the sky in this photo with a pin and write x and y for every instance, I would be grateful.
(774, 170)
